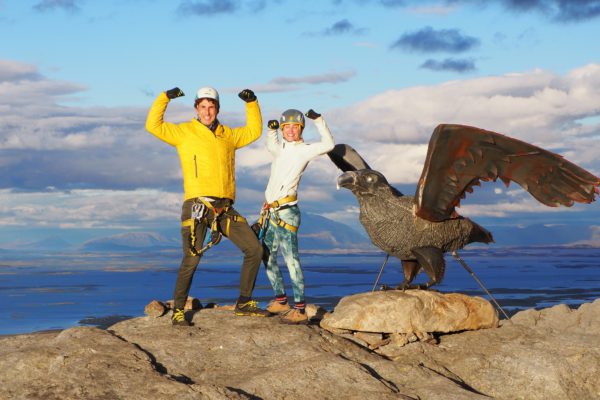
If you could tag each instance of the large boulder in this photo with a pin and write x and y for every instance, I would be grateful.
(387, 320)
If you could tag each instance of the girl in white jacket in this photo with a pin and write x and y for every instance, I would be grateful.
(292, 156)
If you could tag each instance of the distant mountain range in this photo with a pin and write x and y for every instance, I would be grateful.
(317, 234)
(130, 241)
(545, 235)
(51, 243)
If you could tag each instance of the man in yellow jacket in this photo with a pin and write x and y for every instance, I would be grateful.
(207, 155)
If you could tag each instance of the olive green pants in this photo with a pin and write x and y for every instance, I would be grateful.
(240, 234)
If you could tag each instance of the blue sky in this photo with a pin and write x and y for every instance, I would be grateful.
(78, 76)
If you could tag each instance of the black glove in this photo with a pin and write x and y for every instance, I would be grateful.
(247, 95)
(273, 124)
(174, 93)
(312, 114)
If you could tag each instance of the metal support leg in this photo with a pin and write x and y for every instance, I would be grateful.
(470, 271)
(380, 272)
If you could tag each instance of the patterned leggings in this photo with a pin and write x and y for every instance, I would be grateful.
(278, 237)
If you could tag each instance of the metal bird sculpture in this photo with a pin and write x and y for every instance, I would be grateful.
(419, 230)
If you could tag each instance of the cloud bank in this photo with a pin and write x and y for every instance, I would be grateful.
(449, 64)
(50, 5)
(428, 40)
(287, 83)
(68, 166)
(537, 106)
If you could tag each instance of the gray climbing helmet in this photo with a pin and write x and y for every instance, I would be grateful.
(291, 116)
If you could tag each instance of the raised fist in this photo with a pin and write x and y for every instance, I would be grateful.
(174, 93)
(273, 124)
(312, 114)
(247, 95)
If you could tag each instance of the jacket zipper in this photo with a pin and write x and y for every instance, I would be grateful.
(195, 166)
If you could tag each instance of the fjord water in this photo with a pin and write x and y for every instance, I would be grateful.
(60, 290)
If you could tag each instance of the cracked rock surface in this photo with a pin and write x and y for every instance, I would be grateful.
(553, 353)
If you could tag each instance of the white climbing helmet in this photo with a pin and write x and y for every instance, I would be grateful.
(207, 93)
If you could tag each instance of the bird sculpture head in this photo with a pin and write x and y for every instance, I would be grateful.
(365, 182)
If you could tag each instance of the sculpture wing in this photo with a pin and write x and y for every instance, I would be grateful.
(459, 156)
(346, 158)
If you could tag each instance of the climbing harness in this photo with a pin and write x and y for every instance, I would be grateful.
(283, 201)
(201, 208)
(270, 209)
(263, 219)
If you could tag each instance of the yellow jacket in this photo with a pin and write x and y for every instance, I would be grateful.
(207, 158)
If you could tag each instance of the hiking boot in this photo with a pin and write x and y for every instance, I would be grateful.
(294, 316)
(250, 308)
(275, 307)
(178, 318)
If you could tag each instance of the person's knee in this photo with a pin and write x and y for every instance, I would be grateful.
(189, 262)
(253, 249)
(258, 249)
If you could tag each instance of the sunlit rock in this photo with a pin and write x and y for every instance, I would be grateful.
(586, 318)
(408, 316)
(545, 354)
(155, 309)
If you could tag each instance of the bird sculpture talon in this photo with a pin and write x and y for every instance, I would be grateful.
(427, 285)
(412, 286)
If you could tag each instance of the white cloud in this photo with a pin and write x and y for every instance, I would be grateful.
(292, 83)
(509, 209)
(347, 215)
(255, 196)
(433, 10)
(255, 156)
(400, 163)
(275, 87)
(315, 194)
(21, 85)
(104, 151)
(88, 208)
(536, 106)
(13, 70)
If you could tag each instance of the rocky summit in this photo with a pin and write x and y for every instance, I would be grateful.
(552, 353)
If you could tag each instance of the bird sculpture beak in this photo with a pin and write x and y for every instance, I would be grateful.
(347, 179)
